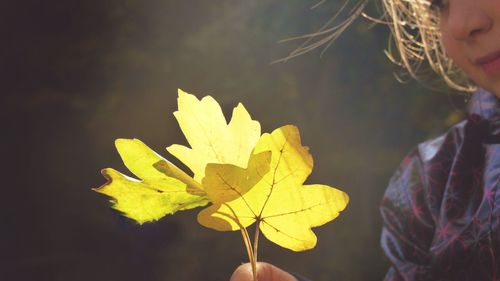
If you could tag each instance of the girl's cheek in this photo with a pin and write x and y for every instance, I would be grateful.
(452, 48)
(455, 51)
(451, 45)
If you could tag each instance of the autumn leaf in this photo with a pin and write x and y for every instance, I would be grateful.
(162, 189)
(247, 177)
(211, 138)
(283, 207)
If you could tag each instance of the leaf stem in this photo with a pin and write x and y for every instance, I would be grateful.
(250, 252)
(247, 241)
(256, 240)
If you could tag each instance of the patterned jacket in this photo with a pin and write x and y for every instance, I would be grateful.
(441, 210)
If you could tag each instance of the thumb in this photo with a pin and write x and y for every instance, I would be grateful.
(265, 272)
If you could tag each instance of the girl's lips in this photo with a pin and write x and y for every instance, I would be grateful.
(490, 63)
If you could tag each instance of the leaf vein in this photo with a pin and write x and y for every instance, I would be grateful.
(271, 187)
(284, 233)
(237, 192)
(295, 212)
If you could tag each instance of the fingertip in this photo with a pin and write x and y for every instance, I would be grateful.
(265, 272)
(242, 273)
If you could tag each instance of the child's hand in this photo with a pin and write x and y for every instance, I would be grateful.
(265, 272)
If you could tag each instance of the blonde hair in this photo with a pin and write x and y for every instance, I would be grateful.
(415, 39)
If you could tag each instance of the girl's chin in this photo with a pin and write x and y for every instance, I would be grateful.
(489, 83)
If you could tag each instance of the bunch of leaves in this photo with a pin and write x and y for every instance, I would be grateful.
(246, 177)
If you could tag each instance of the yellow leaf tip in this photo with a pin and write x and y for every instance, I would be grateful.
(181, 92)
(120, 141)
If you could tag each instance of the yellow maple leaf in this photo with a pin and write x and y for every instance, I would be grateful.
(163, 188)
(283, 207)
(247, 177)
(212, 139)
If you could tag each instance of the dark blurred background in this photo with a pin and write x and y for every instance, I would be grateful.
(75, 75)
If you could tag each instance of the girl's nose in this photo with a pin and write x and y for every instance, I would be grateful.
(467, 19)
